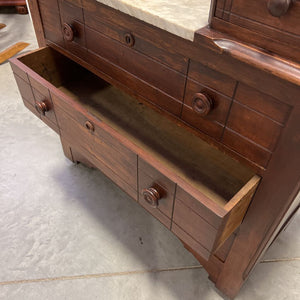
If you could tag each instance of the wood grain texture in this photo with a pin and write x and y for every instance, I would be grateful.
(11, 51)
(143, 67)
(150, 177)
(253, 23)
(266, 210)
(268, 91)
(254, 126)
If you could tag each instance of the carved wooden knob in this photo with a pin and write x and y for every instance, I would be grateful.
(42, 107)
(151, 196)
(129, 39)
(68, 32)
(202, 104)
(278, 8)
(89, 126)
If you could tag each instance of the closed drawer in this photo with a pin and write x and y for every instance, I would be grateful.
(145, 68)
(205, 109)
(156, 192)
(206, 227)
(254, 124)
(213, 79)
(72, 26)
(285, 19)
(119, 26)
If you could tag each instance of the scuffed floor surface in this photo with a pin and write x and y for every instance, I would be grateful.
(67, 232)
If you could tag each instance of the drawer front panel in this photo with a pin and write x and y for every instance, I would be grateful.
(200, 209)
(257, 10)
(76, 132)
(131, 82)
(193, 224)
(262, 103)
(80, 154)
(211, 78)
(38, 97)
(212, 123)
(30, 91)
(187, 239)
(254, 126)
(158, 75)
(50, 16)
(246, 148)
(150, 178)
(25, 90)
(72, 21)
(116, 25)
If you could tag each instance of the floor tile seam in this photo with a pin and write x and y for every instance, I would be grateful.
(114, 274)
(99, 275)
(275, 260)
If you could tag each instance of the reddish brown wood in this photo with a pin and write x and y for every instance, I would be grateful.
(253, 22)
(151, 177)
(254, 126)
(258, 127)
(68, 32)
(202, 104)
(42, 107)
(151, 195)
(37, 22)
(278, 8)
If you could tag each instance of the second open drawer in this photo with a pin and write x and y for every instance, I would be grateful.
(208, 192)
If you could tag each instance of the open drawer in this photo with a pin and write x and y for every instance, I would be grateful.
(206, 193)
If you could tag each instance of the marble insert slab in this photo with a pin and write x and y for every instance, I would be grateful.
(180, 17)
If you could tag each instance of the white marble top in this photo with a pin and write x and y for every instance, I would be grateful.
(180, 17)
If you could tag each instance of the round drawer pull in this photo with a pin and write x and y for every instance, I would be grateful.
(68, 32)
(151, 196)
(129, 39)
(41, 107)
(278, 8)
(89, 126)
(202, 104)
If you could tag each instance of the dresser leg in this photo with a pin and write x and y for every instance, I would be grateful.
(67, 150)
(74, 155)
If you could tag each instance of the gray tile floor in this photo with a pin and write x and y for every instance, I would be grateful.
(67, 232)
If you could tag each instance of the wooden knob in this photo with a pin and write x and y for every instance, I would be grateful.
(129, 39)
(278, 8)
(151, 196)
(202, 104)
(89, 126)
(68, 32)
(42, 107)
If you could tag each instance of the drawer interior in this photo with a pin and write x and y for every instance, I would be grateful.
(215, 174)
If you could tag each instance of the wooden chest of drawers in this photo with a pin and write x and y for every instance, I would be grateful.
(190, 130)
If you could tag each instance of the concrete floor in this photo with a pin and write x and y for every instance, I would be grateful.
(67, 232)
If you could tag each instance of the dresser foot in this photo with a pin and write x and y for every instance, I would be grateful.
(74, 155)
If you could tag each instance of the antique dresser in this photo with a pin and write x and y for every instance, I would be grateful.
(197, 119)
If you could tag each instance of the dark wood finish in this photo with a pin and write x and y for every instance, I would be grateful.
(272, 24)
(37, 22)
(202, 104)
(149, 177)
(278, 8)
(257, 126)
(212, 123)
(220, 181)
